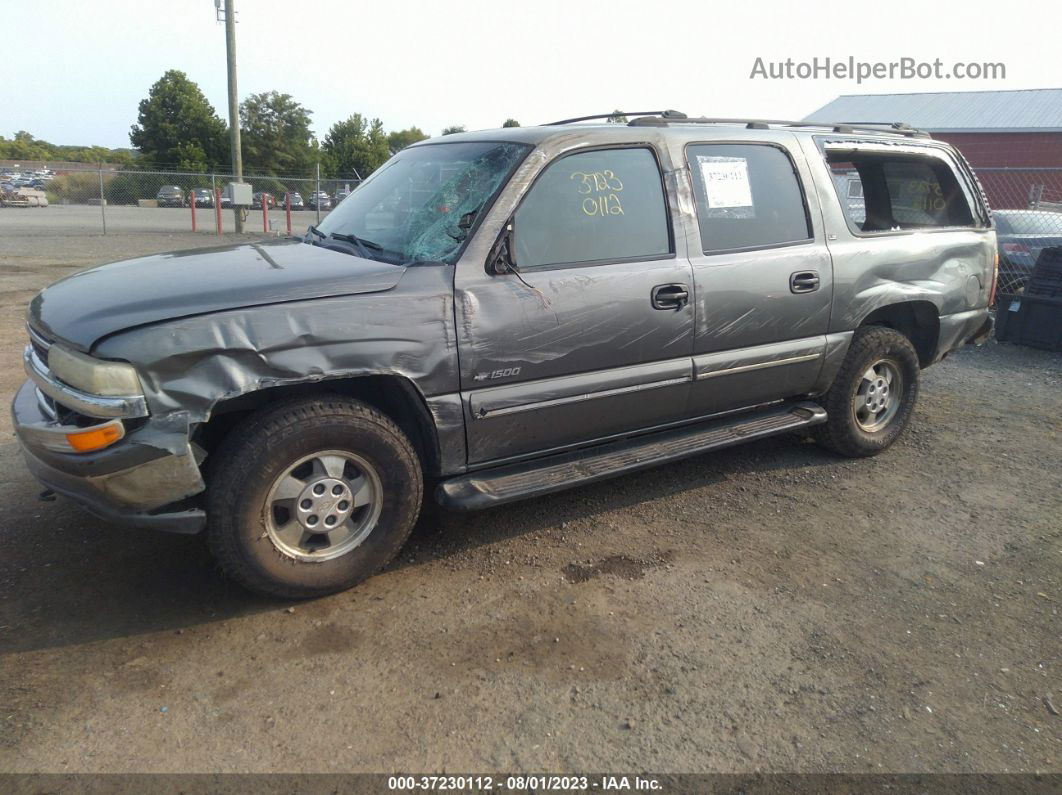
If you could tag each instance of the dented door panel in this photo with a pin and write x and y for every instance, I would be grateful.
(568, 354)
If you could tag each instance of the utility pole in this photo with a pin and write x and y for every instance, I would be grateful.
(234, 108)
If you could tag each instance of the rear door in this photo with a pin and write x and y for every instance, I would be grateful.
(763, 274)
(592, 338)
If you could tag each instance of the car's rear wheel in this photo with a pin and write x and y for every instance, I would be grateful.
(311, 497)
(873, 395)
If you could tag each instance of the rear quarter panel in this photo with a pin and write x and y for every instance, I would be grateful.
(950, 268)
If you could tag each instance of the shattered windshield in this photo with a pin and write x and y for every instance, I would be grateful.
(421, 205)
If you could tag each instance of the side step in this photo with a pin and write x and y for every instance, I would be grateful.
(490, 487)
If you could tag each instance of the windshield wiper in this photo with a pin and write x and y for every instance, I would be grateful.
(357, 241)
(362, 246)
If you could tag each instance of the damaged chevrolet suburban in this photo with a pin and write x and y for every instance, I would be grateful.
(497, 315)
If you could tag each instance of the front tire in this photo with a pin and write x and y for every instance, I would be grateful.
(311, 497)
(873, 395)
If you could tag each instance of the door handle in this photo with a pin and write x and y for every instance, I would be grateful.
(804, 282)
(670, 296)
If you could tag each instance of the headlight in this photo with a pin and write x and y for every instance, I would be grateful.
(95, 376)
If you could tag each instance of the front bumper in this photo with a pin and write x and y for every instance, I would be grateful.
(133, 482)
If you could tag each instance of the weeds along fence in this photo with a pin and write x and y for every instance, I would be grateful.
(108, 200)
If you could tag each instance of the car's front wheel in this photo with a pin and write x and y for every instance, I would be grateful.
(311, 497)
(873, 395)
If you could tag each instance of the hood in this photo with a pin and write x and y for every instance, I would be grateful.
(91, 304)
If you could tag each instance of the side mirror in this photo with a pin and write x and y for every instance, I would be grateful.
(502, 257)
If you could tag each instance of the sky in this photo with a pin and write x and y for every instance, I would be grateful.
(85, 66)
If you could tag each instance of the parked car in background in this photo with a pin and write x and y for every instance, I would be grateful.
(203, 197)
(258, 198)
(500, 316)
(342, 193)
(170, 196)
(296, 200)
(1022, 235)
(319, 200)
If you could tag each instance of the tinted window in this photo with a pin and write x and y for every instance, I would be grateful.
(747, 196)
(602, 205)
(903, 191)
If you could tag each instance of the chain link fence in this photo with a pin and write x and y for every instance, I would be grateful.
(95, 200)
(1021, 175)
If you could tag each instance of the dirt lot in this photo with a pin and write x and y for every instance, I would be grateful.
(770, 607)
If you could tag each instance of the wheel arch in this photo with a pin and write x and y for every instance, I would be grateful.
(394, 395)
(919, 321)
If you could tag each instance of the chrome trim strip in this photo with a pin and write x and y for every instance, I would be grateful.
(758, 366)
(37, 338)
(129, 406)
(53, 437)
(543, 404)
(44, 406)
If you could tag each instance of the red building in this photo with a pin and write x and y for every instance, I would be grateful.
(1013, 139)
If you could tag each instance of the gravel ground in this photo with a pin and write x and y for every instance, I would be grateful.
(770, 607)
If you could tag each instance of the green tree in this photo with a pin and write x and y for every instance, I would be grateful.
(356, 145)
(276, 135)
(456, 128)
(177, 126)
(510, 123)
(400, 139)
(26, 147)
(617, 117)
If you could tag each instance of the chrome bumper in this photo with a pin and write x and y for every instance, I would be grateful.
(131, 482)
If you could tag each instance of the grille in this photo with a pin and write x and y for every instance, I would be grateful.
(40, 344)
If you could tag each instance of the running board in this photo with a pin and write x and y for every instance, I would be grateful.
(490, 487)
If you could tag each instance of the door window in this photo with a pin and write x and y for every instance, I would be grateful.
(598, 206)
(747, 196)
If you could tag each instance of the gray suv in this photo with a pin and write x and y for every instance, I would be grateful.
(499, 315)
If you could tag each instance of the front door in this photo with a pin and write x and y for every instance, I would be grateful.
(592, 337)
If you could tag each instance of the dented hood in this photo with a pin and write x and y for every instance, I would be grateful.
(83, 308)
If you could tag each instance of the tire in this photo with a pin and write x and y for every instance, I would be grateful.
(258, 528)
(855, 427)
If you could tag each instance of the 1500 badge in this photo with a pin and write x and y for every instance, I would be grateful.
(504, 373)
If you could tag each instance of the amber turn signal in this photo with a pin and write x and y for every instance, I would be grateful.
(95, 438)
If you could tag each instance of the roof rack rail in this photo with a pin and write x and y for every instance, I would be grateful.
(896, 128)
(663, 114)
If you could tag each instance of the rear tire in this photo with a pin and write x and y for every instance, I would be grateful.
(873, 395)
(311, 497)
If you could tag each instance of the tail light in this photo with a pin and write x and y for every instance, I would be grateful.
(995, 281)
(1014, 248)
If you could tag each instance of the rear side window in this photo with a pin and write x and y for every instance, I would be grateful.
(901, 191)
(604, 205)
(748, 196)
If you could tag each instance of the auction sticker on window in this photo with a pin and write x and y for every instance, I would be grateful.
(726, 185)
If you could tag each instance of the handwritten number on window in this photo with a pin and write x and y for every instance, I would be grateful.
(600, 189)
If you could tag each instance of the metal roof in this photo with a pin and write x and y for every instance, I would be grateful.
(1031, 110)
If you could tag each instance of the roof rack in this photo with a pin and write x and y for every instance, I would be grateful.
(674, 117)
(662, 114)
